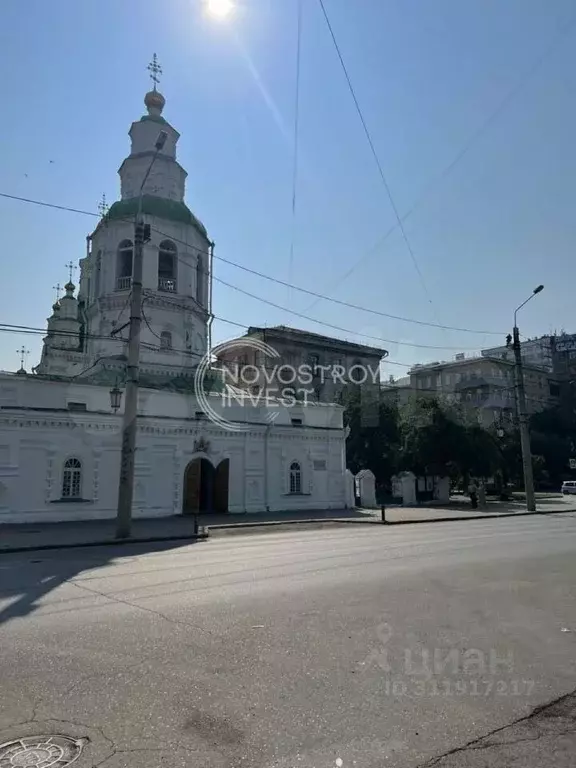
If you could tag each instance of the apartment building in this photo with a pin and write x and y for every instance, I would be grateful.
(485, 385)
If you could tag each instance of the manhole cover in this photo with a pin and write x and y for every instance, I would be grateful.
(40, 752)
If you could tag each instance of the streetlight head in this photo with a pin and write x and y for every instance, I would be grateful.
(115, 398)
(538, 289)
(161, 140)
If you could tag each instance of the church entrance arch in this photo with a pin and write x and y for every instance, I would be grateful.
(205, 487)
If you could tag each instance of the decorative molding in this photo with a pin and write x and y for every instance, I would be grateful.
(177, 482)
(50, 455)
(96, 456)
(202, 445)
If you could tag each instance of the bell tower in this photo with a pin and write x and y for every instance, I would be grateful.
(176, 261)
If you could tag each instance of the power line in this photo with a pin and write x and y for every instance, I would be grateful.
(32, 330)
(357, 306)
(48, 205)
(307, 317)
(296, 136)
(328, 325)
(321, 322)
(262, 274)
(374, 153)
(501, 107)
(244, 327)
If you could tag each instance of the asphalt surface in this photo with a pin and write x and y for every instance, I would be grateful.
(402, 646)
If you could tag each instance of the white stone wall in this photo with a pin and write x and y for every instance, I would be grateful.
(38, 434)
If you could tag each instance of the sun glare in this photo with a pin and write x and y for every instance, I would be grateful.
(219, 8)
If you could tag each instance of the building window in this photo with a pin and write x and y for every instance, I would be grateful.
(167, 256)
(72, 479)
(165, 340)
(200, 281)
(313, 361)
(124, 270)
(295, 478)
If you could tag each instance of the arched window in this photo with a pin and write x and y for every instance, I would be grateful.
(124, 273)
(295, 478)
(200, 281)
(167, 266)
(165, 340)
(72, 479)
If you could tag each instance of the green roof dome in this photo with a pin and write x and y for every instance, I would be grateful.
(156, 206)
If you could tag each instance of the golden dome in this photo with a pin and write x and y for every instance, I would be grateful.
(154, 102)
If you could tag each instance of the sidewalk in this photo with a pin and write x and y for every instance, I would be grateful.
(29, 537)
(32, 536)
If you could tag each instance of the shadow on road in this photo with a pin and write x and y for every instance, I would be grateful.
(25, 578)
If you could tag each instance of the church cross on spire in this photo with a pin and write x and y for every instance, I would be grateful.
(57, 288)
(70, 267)
(155, 70)
(23, 352)
(103, 206)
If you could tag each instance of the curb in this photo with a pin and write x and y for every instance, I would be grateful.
(231, 528)
(224, 527)
(487, 516)
(104, 543)
(307, 521)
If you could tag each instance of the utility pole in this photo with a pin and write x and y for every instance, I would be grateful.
(523, 424)
(129, 420)
(522, 411)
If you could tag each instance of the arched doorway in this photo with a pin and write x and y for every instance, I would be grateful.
(205, 487)
(221, 486)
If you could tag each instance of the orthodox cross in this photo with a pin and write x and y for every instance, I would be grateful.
(57, 288)
(70, 267)
(23, 352)
(103, 206)
(155, 70)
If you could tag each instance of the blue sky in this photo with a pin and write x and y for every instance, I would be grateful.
(428, 76)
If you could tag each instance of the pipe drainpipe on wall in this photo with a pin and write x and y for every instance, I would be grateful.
(266, 484)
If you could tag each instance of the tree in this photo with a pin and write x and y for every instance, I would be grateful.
(432, 439)
(374, 437)
(553, 441)
(481, 455)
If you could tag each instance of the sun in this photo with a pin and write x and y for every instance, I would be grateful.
(219, 8)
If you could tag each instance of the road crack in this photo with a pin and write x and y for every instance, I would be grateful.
(543, 710)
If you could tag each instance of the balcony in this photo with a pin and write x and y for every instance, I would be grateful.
(123, 283)
(167, 284)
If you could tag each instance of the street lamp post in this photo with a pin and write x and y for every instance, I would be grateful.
(522, 410)
(128, 450)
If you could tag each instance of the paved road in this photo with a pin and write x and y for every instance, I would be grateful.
(427, 644)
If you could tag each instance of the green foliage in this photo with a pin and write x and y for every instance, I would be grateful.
(553, 441)
(430, 437)
(425, 436)
(374, 437)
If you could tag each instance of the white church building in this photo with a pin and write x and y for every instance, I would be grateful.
(59, 431)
